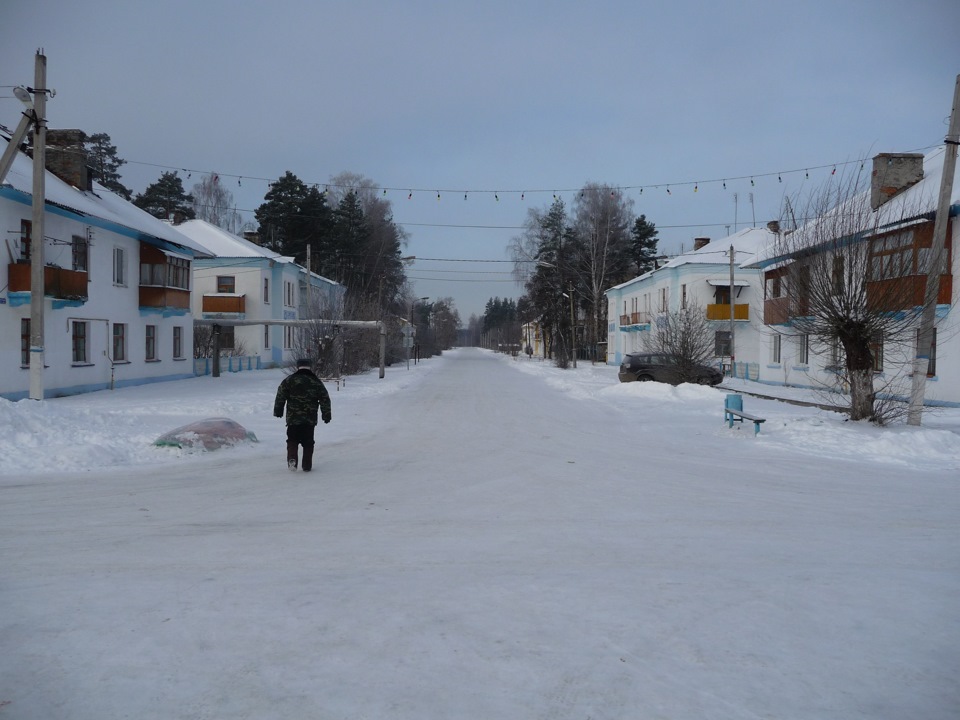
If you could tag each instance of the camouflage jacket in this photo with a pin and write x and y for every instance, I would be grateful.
(302, 393)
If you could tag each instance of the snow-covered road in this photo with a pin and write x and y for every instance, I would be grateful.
(485, 540)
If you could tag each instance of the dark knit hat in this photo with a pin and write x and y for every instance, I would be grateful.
(304, 363)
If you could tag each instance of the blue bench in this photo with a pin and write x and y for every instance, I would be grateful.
(733, 412)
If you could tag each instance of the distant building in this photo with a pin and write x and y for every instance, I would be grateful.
(245, 281)
(698, 278)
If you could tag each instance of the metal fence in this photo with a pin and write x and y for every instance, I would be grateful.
(231, 363)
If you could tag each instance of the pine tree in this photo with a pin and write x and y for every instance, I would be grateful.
(292, 216)
(102, 157)
(166, 199)
(643, 245)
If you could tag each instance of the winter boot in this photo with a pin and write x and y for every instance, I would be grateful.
(307, 458)
(292, 449)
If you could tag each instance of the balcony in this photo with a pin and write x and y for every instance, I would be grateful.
(721, 311)
(154, 296)
(636, 318)
(902, 293)
(776, 311)
(223, 304)
(57, 282)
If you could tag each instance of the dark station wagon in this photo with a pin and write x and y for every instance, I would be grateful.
(662, 368)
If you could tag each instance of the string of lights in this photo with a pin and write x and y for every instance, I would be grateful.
(668, 187)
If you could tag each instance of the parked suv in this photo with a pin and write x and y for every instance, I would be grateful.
(662, 368)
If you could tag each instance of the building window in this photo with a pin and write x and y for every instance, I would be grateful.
(80, 342)
(26, 232)
(663, 300)
(932, 363)
(774, 287)
(119, 266)
(178, 273)
(288, 295)
(876, 351)
(287, 337)
(177, 342)
(266, 291)
(119, 342)
(79, 248)
(25, 341)
(775, 349)
(838, 265)
(226, 284)
(836, 354)
(683, 296)
(266, 337)
(803, 349)
(721, 343)
(150, 351)
(227, 339)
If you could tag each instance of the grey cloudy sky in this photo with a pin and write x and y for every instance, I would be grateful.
(513, 98)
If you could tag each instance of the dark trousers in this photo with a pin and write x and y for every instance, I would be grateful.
(298, 435)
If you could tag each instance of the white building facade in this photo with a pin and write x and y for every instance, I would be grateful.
(244, 281)
(117, 285)
(898, 255)
(701, 279)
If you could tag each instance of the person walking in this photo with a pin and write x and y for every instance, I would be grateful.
(303, 393)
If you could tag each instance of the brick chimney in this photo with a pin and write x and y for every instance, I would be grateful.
(893, 173)
(67, 158)
(700, 242)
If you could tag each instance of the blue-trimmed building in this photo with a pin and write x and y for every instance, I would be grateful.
(696, 279)
(117, 284)
(245, 281)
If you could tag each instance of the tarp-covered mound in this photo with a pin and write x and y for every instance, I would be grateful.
(209, 434)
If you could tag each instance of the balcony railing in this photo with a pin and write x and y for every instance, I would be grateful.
(907, 292)
(57, 282)
(721, 311)
(153, 296)
(218, 304)
(636, 318)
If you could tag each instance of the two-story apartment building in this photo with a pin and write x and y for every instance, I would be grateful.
(245, 281)
(700, 278)
(117, 282)
(895, 238)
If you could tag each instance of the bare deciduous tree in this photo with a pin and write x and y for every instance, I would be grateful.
(602, 218)
(848, 280)
(686, 337)
(214, 203)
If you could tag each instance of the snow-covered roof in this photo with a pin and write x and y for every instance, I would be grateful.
(101, 207)
(746, 243)
(225, 244)
(900, 211)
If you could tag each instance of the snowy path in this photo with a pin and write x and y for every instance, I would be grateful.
(484, 544)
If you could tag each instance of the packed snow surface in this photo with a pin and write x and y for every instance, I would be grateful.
(481, 537)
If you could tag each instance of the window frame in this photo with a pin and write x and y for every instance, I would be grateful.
(178, 342)
(150, 343)
(80, 253)
(79, 335)
(24, 342)
(119, 343)
(226, 284)
(119, 266)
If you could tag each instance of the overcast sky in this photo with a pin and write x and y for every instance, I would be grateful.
(515, 99)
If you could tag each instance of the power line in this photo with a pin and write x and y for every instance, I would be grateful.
(530, 191)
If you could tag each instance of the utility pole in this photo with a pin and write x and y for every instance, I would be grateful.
(732, 313)
(37, 288)
(935, 269)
